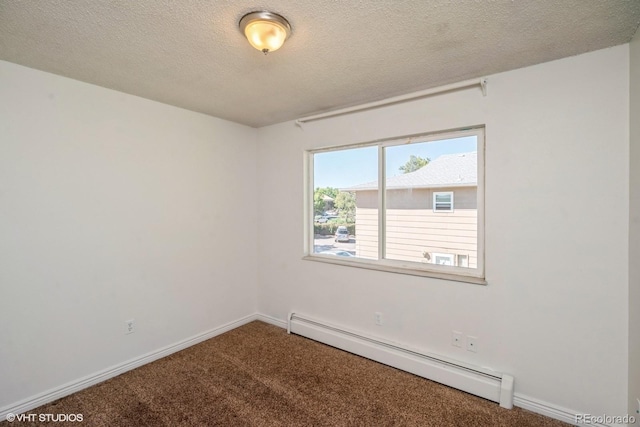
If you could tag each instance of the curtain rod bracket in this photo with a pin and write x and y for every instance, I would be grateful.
(483, 85)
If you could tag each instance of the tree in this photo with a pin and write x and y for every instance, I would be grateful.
(414, 163)
(319, 203)
(345, 202)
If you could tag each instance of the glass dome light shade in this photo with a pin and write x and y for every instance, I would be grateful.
(265, 31)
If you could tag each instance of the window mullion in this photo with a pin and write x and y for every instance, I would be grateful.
(382, 214)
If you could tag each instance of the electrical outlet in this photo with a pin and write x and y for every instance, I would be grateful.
(456, 339)
(130, 326)
(472, 343)
(377, 316)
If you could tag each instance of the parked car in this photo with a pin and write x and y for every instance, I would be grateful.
(342, 234)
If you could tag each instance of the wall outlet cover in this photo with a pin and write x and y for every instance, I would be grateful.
(472, 344)
(129, 326)
(456, 339)
(377, 316)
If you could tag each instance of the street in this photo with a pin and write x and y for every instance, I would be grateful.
(327, 243)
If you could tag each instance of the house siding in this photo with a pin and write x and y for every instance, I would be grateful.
(413, 229)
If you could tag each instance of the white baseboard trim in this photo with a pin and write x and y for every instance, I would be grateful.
(98, 377)
(544, 408)
(272, 320)
(522, 401)
(549, 410)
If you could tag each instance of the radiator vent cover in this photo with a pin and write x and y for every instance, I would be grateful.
(482, 382)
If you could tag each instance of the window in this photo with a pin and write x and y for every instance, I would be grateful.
(396, 200)
(443, 259)
(463, 261)
(443, 201)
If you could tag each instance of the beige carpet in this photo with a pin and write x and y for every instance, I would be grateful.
(257, 375)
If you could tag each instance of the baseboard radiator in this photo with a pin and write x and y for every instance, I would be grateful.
(482, 382)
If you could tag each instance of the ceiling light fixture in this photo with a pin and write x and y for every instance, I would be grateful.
(266, 31)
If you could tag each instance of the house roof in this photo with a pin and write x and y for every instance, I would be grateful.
(449, 170)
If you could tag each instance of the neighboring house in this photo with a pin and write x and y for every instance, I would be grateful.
(431, 213)
(328, 203)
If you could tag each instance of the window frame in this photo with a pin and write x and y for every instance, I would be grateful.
(454, 273)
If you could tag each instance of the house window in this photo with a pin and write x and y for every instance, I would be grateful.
(463, 260)
(390, 196)
(443, 259)
(443, 201)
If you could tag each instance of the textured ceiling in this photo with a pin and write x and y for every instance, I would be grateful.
(191, 53)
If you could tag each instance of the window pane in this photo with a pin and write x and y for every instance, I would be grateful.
(423, 182)
(345, 203)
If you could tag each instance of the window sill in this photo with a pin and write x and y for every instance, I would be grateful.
(389, 268)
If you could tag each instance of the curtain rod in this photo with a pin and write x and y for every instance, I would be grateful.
(415, 95)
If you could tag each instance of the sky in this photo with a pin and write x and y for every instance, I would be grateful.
(346, 168)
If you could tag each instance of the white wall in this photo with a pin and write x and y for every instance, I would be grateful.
(634, 229)
(555, 311)
(114, 207)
